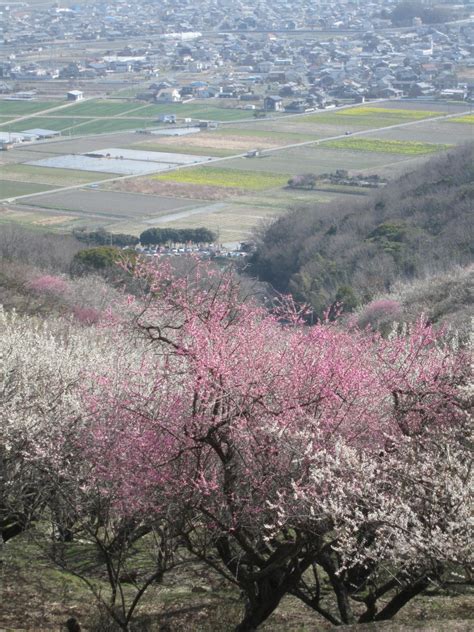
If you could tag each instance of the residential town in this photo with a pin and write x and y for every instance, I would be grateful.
(255, 56)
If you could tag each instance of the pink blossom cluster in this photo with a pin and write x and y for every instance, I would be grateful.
(49, 284)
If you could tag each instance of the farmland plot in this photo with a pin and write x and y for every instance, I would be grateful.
(197, 110)
(406, 148)
(111, 204)
(45, 175)
(113, 165)
(315, 159)
(443, 132)
(21, 108)
(215, 176)
(12, 188)
(56, 123)
(99, 107)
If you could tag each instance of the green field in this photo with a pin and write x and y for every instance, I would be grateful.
(215, 177)
(98, 107)
(365, 116)
(20, 108)
(49, 175)
(196, 110)
(407, 148)
(99, 126)
(5, 119)
(56, 123)
(10, 188)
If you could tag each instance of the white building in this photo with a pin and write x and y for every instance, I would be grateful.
(75, 95)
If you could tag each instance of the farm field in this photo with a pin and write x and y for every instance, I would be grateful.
(215, 176)
(10, 188)
(177, 146)
(233, 217)
(99, 107)
(66, 145)
(57, 123)
(210, 142)
(29, 152)
(406, 148)
(20, 108)
(197, 109)
(112, 205)
(315, 159)
(232, 196)
(231, 222)
(49, 176)
(274, 137)
(113, 166)
(467, 119)
(102, 126)
(5, 119)
(332, 123)
(366, 117)
(438, 132)
(36, 217)
(231, 141)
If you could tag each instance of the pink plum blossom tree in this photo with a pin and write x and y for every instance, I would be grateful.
(49, 284)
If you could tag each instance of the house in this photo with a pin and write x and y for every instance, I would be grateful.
(273, 104)
(74, 95)
(168, 96)
(299, 105)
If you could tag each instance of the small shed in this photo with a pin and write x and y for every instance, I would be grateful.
(75, 95)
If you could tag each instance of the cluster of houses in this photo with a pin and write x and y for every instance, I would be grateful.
(245, 50)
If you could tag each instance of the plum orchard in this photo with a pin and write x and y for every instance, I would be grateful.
(285, 449)
(290, 459)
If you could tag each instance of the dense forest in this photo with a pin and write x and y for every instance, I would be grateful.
(417, 226)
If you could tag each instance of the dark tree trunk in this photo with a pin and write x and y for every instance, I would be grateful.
(401, 599)
(268, 594)
(11, 527)
(339, 587)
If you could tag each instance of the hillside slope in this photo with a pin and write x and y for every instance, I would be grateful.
(417, 225)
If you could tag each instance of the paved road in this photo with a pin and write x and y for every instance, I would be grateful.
(241, 155)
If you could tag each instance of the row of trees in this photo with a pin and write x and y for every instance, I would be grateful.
(102, 237)
(162, 236)
(284, 457)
